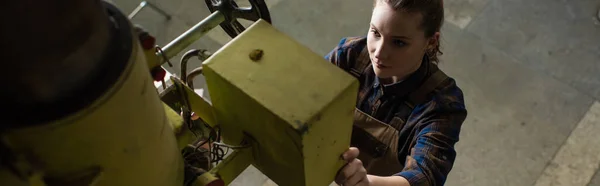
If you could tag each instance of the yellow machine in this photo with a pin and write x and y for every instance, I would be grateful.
(275, 105)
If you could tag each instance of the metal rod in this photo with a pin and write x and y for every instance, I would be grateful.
(137, 10)
(191, 36)
(154, 7)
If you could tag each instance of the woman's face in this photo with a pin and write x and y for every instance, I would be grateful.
(396, 42)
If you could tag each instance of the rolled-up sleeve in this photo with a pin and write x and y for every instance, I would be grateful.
(432, 155)
(337, 55)
(346, 52)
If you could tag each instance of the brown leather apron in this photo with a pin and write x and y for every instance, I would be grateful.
(378, 141)
(381, 156)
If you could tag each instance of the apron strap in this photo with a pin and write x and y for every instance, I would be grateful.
(421, 94)
(417, 97)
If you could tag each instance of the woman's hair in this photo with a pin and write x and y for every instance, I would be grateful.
(432, 12)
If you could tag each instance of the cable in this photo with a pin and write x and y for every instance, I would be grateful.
(186, 110)
(217, 155)
(231, 146)
(215, 151)
(212, 131)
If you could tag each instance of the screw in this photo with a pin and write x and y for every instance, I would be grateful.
(256, 54)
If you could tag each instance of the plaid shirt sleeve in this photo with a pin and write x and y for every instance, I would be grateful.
(438, 126)
(346, 51)
(335, 54)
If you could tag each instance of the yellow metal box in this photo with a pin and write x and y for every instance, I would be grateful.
(296, 106)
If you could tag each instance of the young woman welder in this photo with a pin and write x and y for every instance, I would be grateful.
(408, 113)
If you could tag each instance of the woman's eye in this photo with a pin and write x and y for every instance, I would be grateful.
(399, 43)
(375, 32)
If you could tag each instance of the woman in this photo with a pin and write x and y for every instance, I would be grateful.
(409, 113)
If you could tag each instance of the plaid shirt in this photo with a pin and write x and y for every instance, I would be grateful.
(426, 145)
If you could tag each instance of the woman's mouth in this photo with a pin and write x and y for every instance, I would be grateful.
(380, 66)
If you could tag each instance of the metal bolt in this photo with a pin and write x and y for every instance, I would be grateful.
(256, 54)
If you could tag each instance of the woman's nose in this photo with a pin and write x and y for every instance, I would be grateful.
(380, 50)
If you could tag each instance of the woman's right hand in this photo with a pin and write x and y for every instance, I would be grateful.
(353, 173)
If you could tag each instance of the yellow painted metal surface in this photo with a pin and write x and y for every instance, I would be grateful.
(182, 133)
(151, 58)
(295, 105)
(123, 138)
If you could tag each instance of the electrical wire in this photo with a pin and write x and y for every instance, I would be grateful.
(198, 156)
(212, 131)
(215, 148)
(187, 113)
(231, 146)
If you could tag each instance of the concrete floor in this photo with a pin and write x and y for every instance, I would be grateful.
(530, 71)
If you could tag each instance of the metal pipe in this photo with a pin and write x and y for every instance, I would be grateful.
(190, 77)
(137, 10)
(183, 62)
(202, 56)
(191, 36)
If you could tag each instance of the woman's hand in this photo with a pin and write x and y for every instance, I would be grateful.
(353, 173)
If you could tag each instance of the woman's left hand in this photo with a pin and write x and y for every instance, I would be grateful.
(353, 173)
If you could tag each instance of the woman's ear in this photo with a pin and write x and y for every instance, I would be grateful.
(433, 41)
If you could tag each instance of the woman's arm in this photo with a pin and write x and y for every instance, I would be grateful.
(438, 127)
(385, 181)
